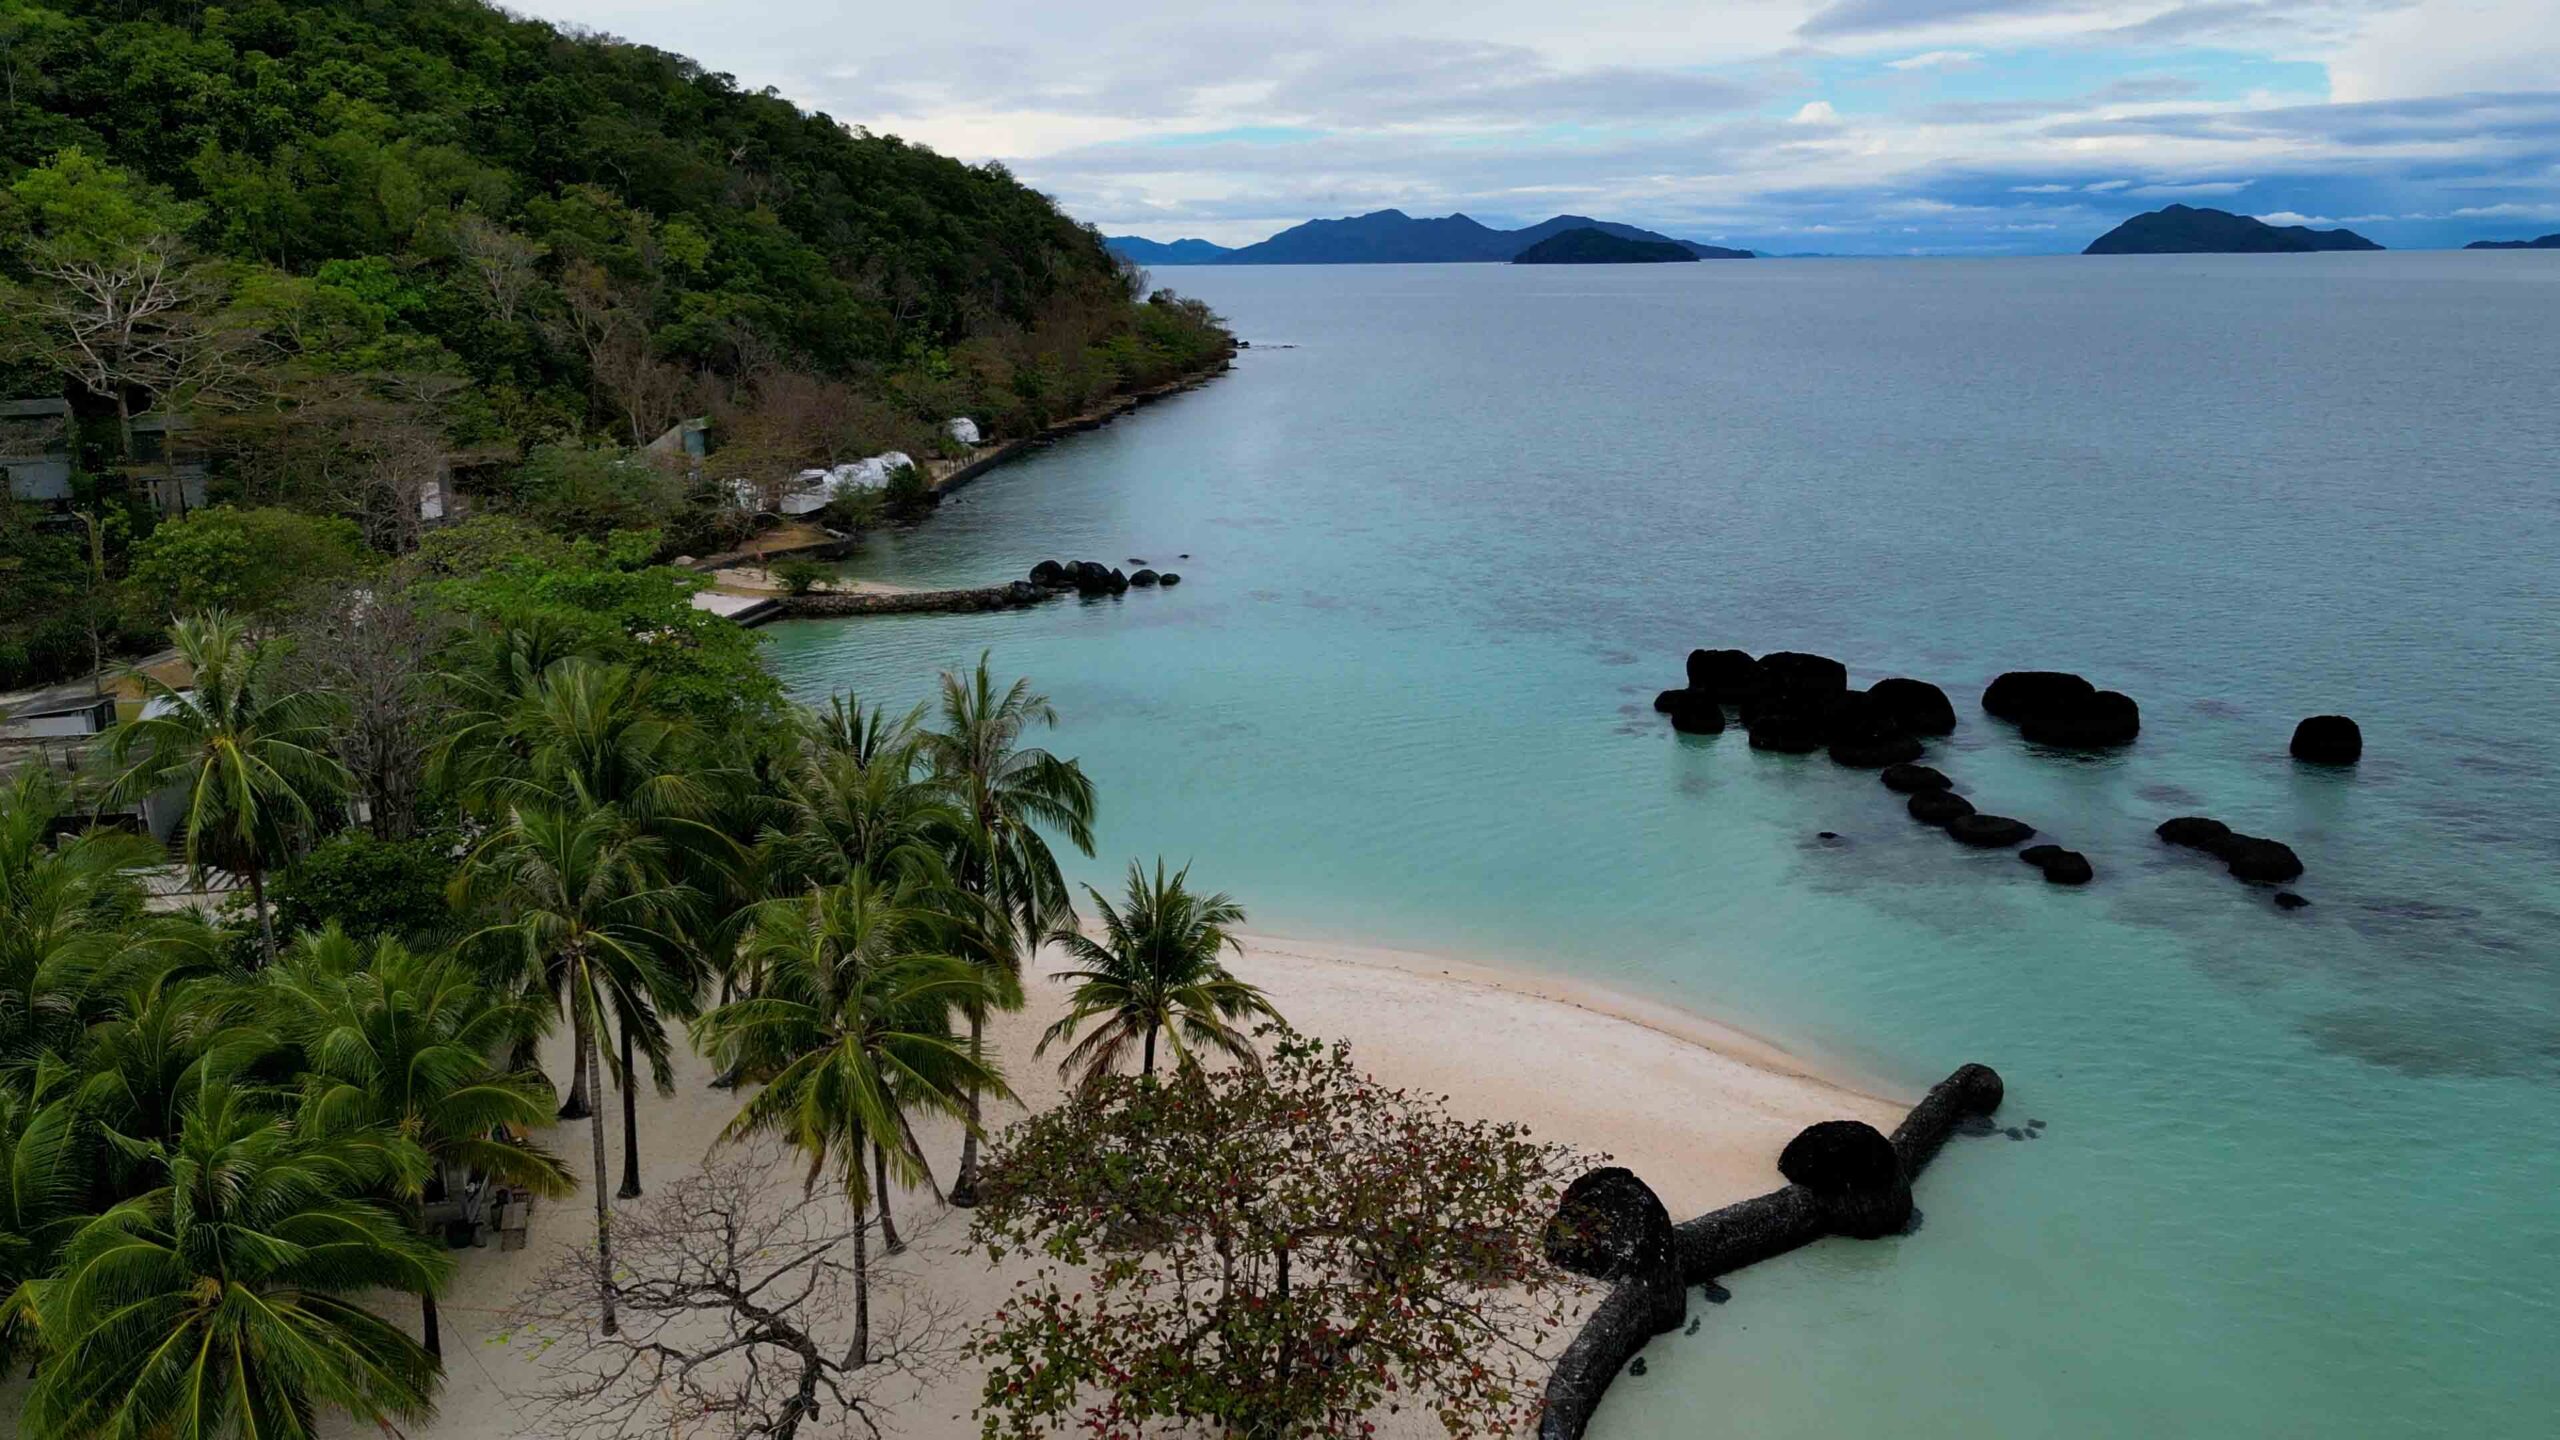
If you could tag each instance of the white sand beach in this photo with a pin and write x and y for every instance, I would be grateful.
(1700, 1111)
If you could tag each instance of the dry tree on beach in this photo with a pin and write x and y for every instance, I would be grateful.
(735, 1288)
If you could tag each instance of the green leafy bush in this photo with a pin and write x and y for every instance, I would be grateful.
(369, 887)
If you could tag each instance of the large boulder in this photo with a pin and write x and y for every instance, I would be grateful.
(1913, 779)
(1048, 572)
(1793, 673)
(1667, 701)
(1875, 754)
(2328, 740)
(2197, 832)
(1610, 1225)
(1119, 582)
(1696, 712)
(1938, 807)
(2060, 866)
(2098, 719)
(1144, 578)
(1169, 580)
(1727, 672)
(1855, 715)
(2265, 862)
(1989, 832)
(1915, 706)
(2021, 693)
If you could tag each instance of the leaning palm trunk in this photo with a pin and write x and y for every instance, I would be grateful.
(630, 1121)
(889, 1240)
(861, 1280)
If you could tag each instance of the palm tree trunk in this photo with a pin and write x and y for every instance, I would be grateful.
(258, 902)
(435, 1331)
(889, 1240)
(964, 1186)
(1149, 1067)
(630, 1121)
(576, 1106)
(589, 1059)
(861, 1280)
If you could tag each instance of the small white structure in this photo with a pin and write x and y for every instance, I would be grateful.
(963, 429)
(873, 472)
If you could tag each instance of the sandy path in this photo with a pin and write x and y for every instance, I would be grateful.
(1700, 1111)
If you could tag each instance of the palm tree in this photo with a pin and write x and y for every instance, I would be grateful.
(850, 1029)
(1004, 790)
(225, 1299)
(69, 911)
(402, 1042)
(44, 1169)
(252, 755)
(583, 899)
(1156, 969)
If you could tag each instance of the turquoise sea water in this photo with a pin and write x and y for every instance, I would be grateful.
(2302, 1175)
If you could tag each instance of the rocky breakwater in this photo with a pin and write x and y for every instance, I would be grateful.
(1843, 1178)
(1012, 595)
(1794, 703)
(1093, 578)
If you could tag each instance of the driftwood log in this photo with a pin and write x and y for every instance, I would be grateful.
(1840, 1184)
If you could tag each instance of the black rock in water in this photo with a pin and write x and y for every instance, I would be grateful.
(1169, 578)
(2328, 740)
(2098, 719)
(1938, 807)
(2265, 862)
(1048, 572)
(1988, 832)
(1696, 712)
(1787, 731)
(1912, 779)
(1792, 674)
(1727, 672)
(1144, 578)
(1915, 706)
(2287, 900)
(2197, 832)
(2060, 866)
(1667, 701)
(2021, 693)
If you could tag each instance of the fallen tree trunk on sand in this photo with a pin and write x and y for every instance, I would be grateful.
(1845, 1179)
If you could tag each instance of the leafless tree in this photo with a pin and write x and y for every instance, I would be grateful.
(129, 322)
(506, 265)
(374, 647)
(733, 1287)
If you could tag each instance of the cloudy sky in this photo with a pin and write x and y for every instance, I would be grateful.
(1865, 126)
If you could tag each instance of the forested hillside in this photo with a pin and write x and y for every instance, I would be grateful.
(361, 242)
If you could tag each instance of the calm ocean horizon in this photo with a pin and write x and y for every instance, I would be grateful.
(1446, 529)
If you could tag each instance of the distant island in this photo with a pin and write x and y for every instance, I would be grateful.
(1391, 237)
(1589, 246)
(2543, 242)
(2185, 230)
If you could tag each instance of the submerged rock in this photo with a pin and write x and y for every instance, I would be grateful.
(2287, 900)
(2328, 740)
(1912, 779)
(1938, 807)
(1916, 706)
(1989, 832)
(1875, 754)
(1169, 579)
(2100, 718)
(2197, 832)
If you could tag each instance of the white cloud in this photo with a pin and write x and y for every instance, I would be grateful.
(2104, 186)
(2042, 189)
(2509, 211)
(1936, 60)
(1816, 112)
(2288, 217)
(2193, 188)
